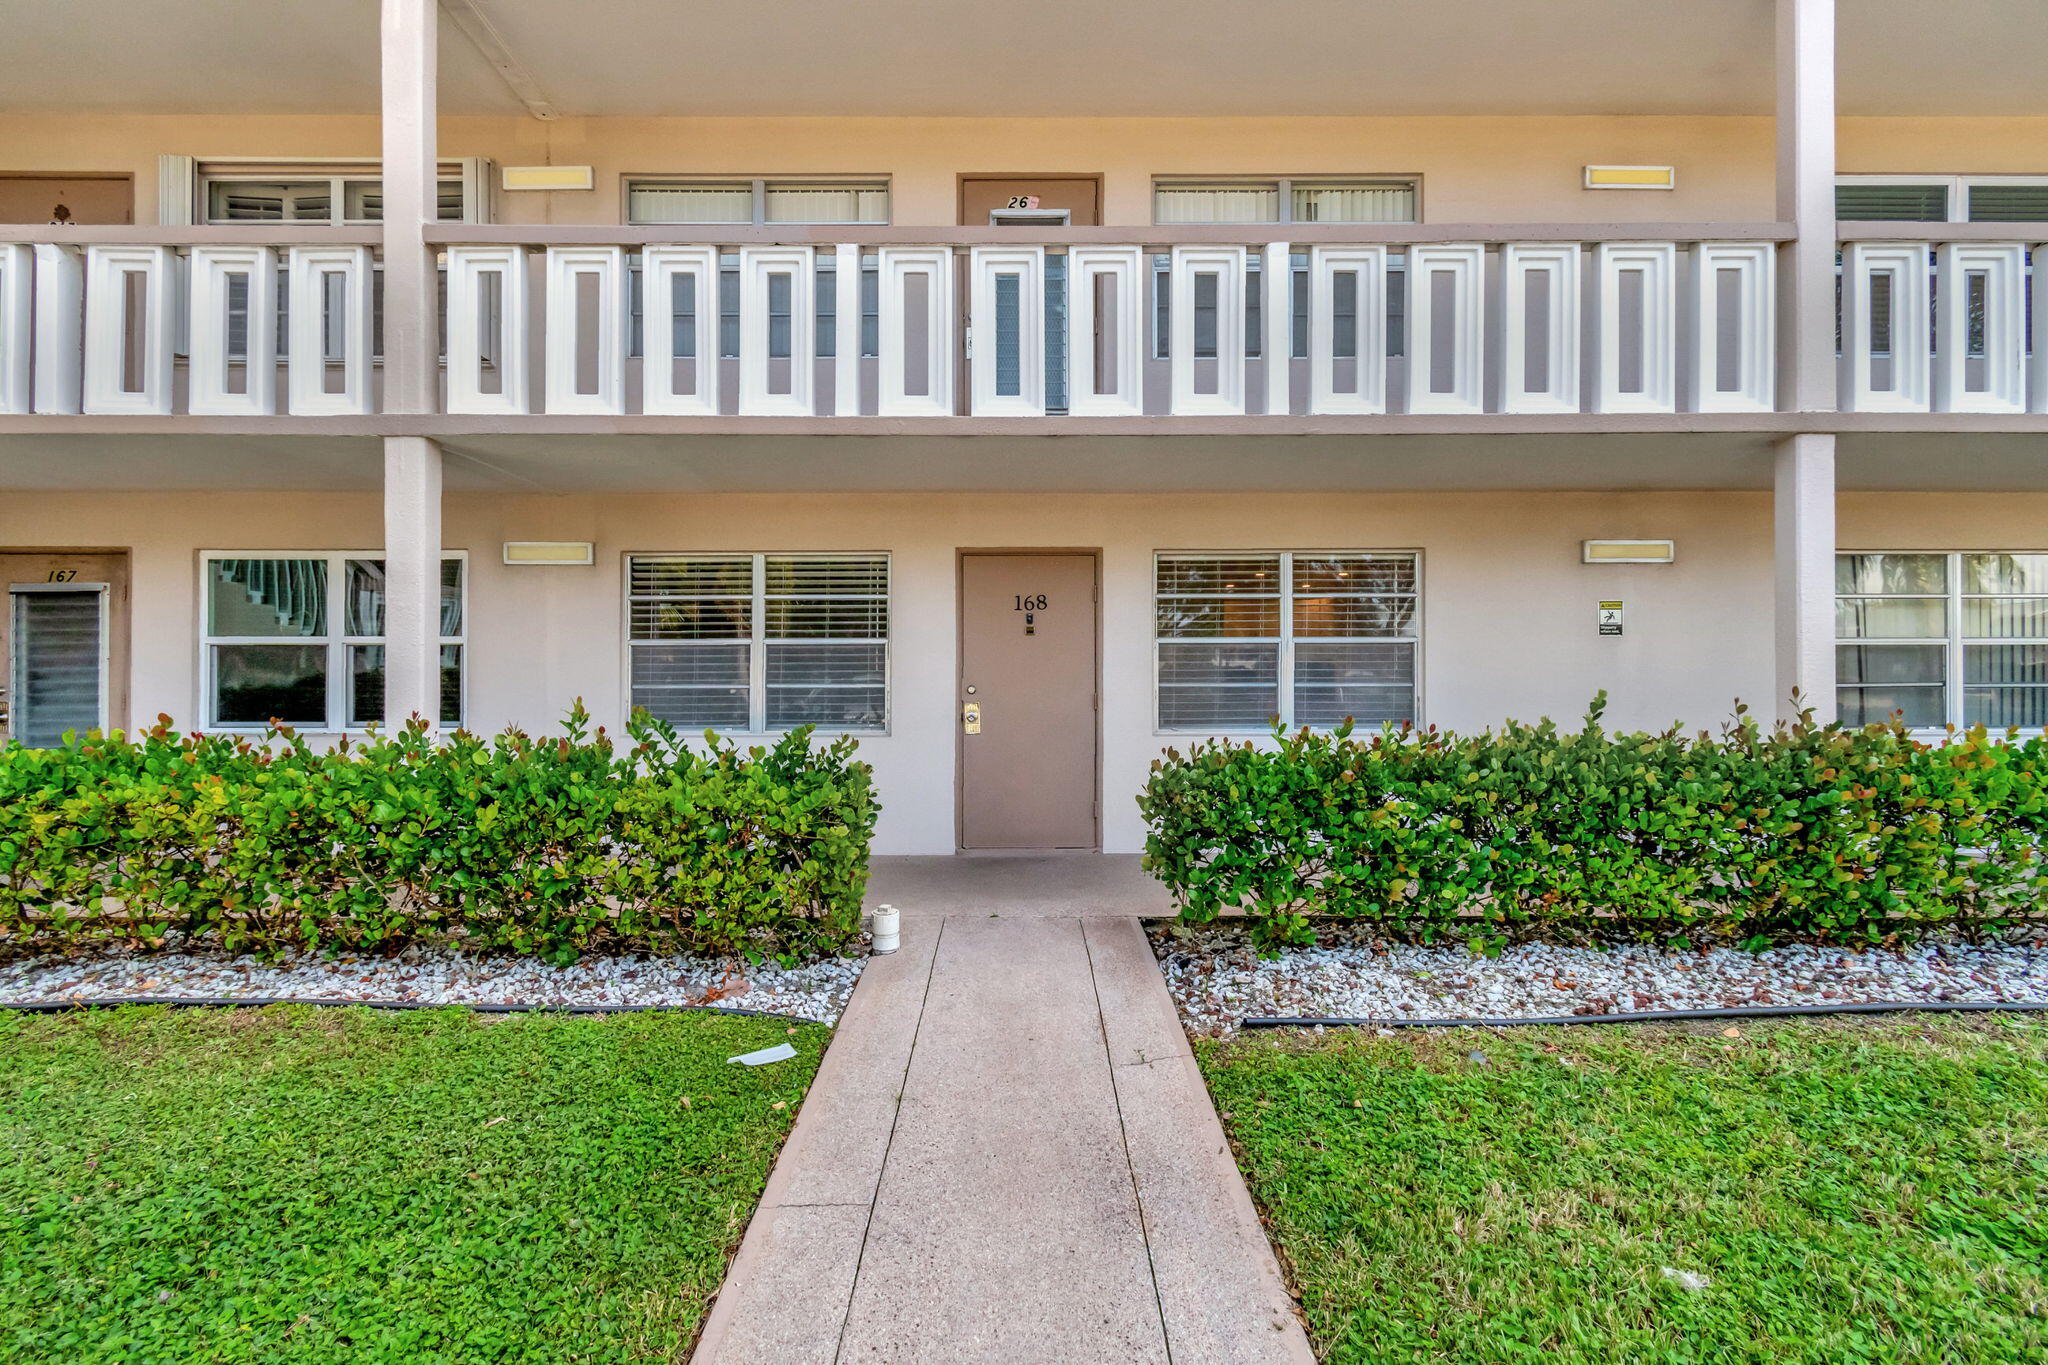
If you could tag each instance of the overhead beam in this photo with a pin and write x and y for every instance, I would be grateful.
(469, 16)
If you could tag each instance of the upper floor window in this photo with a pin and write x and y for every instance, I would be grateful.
(1378, 199)
(1942, 198)
(749, 202)
(351, 194)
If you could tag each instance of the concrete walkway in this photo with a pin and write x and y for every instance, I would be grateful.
(1053, 1185)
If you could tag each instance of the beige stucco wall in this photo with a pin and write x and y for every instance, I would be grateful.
(1508, 610)
(1473, 169)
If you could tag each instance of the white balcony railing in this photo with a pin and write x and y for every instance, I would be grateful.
(1008, 323)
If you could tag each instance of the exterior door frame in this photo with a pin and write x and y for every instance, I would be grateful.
(960, 558)
(17, 656)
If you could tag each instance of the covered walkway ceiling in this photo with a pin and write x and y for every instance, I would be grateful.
(1150, 58)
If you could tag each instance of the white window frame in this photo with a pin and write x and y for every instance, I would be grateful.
(1958, 187)
(1954, 682)
(336, 642)
(757, 633)
(1284, 185)
(1286, 641)
(338, 173)
(760, 185)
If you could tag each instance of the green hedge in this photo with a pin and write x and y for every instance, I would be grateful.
(1800, 831)
(548, 846)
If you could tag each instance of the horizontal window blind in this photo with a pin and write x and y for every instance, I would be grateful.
(760, 642)
(1942, 639)
(1308, 638)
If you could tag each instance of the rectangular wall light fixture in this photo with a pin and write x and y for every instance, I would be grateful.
(549, 552)
(1631, 177)
(546, 178)
(1629, 551)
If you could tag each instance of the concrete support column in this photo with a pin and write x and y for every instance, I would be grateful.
(411, 349)
(1806, 199)
(1805, 573)
(412, 580)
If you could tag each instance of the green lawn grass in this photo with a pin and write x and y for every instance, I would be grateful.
(1852, 1192)
(298, 1184)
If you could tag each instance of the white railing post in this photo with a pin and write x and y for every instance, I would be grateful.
(211, 364)
(1006, 310)
(760, 267)
(1636, 339)
(1541, 333)
(586, 340)
(130, 328)
(329, 321)
(2003, 364)
(1457, 330)
(1105, 324)
(1893, 373)
(846, 330)
(908, 388)
(660, 268)
(1226, 266)
(17, 308)
(487, 319)
(1366, 266)
(1276, 318)
(1734, 338)
(59, 329)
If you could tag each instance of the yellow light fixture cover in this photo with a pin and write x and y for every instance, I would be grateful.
(547, 178)
(1631, 177)
(1629, 551)
(549, 552)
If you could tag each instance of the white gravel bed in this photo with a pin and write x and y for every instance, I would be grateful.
(440, 976)
(1217, 980)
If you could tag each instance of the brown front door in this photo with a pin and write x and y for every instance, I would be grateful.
(1080, 196)
(1028, 671)
(67, 199)
(63, 643)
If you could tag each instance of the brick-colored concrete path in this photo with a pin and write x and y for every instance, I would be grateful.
(1052, 1187)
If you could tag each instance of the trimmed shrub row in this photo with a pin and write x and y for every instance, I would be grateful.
(547, 846)
(1799, 831)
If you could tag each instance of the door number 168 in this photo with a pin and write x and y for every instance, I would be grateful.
(1029, 602)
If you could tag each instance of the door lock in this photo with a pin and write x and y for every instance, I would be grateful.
(970, 718)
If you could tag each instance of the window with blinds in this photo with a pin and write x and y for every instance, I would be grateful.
(313, 199)
(1942, 199)
(760, 642)
(300, 638)
(740, 202)
(1942, 639)
(1380, 200)
(1305, 637)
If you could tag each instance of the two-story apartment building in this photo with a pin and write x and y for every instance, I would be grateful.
(1024, 391)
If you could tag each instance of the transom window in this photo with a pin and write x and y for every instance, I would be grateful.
(760, 642)
(1380, 199)
(1307, 637)
(1944, 639)
(1942, 198)
(745, 202)
(300, 638)
(347, 197)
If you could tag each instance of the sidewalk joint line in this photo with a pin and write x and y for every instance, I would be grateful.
(895, 1119)
(1124, 1134)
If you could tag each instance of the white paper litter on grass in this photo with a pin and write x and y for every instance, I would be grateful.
(781, 1052)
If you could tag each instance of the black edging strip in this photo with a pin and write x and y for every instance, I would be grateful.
(256, 1002)
(1659, 1016)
